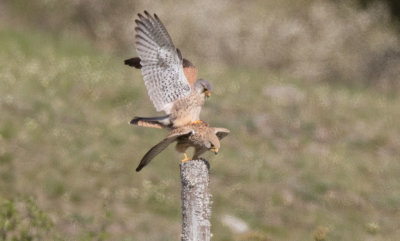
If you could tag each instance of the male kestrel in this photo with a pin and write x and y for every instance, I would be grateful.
(189, 69)
(170, 80)
(197, 135)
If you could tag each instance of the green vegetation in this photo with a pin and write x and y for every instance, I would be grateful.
(303, 161)
(22, 220)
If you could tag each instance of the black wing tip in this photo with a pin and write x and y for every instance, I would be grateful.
(179, 54)
(133, 62)
(148, 15)
(141, 165)
(186, 63)
(222, 134)
(134, 121)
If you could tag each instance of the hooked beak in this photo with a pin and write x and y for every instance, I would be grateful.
(215, 150)
(207, 93)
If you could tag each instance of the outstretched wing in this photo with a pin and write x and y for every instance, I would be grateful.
(189, 69)
(221, 132)
(155, 150)
(161, 63)
(133, 62)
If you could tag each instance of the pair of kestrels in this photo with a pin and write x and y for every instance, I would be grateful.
(173, 87)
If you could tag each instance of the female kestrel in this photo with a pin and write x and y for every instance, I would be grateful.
(197, 135)
(170, 80)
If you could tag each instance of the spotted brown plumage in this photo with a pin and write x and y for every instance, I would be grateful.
(200, 136)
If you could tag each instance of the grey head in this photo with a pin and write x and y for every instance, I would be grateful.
(203, 86)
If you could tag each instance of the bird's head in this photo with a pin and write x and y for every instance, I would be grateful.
(213, 144)
(203, 86)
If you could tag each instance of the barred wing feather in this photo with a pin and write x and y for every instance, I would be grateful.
(161, 63)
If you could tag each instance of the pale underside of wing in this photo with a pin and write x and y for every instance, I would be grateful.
(155, 150)
(161, 63)
(221, 132)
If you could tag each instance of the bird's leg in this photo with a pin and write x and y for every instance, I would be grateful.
(199, 122)
(186, 158)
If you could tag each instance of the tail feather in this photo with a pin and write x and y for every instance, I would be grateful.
(152, 122)
(147, 124)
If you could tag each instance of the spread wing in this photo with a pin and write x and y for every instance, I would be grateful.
(161, 63)
(221, 132)
(133, 62)
(189, 69)
(155, 150)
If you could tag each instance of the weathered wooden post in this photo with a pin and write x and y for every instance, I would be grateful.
(196, 200)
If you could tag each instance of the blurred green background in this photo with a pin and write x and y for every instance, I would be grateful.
(309, 90)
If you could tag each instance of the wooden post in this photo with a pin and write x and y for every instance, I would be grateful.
(196, 198)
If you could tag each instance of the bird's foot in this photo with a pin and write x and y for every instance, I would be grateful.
(198, 122)
(186, 158)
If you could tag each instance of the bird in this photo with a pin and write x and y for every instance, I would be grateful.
(171, 80)
(198, 135)
(189, 69)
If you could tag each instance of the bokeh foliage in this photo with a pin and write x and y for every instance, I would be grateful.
(330, 41)
(22, 220)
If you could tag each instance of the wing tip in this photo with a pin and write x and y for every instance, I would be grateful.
(221, 132)
(187, 64)
(133, 62)
(179, 54)
(134, 121)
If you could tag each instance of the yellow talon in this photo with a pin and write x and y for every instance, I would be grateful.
(186, 158)
(197, 122)
(215, 150)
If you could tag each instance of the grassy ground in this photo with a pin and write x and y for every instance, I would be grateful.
(304, 161)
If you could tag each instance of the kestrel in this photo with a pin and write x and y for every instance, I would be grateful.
(189, 69)
(197, 135)
(170, 80)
